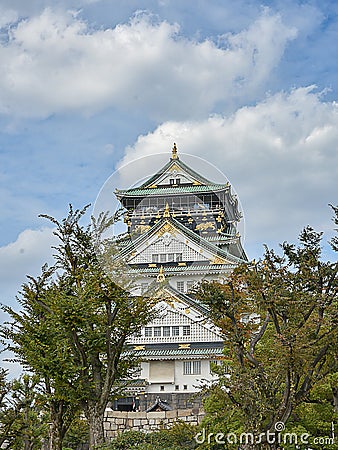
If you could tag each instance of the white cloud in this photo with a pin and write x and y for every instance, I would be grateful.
(25, 256)
(7, 16)
(281, 156)
(54, 63)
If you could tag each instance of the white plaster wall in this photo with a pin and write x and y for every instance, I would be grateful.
(191, 381)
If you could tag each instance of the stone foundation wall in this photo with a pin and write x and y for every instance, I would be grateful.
(182, 400)
(119, 421)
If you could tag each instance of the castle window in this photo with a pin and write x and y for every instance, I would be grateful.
(186, 330)
(178, 257)
(154, 258)
(171, 257)
(162, 388)
(157, 331)
(187, 369)
(177, 387)
(148, 332)
(166, 331)
(175, 330)
(163, 257)
(191, 367)
(175, 181)
(196, 367)
(180, 286)
(185, 387)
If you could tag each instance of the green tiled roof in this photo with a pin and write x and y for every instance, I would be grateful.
(140, 192)
(225, 237)
(176, 353)
(192, 268)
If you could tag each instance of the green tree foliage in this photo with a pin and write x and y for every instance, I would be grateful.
(37, 340)
(7, 414)
(77, 434)
(279, 318)
(23, 421)
(73, 327)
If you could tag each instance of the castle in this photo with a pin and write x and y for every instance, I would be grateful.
(182, 228)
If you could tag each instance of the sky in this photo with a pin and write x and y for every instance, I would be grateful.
(88, 87)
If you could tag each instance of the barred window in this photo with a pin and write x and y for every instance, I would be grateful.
(148, 332)
(163, 257)
(157, 331)
(166, 331)
(191, 367)
(175, 330)
(180, 286)
(186, 330)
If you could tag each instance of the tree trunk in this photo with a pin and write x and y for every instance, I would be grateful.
(95, 419)
(26, 438)
(57, 429)
(55, 437)
(335, 398)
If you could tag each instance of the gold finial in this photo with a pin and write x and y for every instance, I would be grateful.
(166, 211)
(160, 277)
(174, 152)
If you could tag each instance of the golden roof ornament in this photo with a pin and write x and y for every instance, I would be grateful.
(166, 211)
(160, 277)
(174, 152)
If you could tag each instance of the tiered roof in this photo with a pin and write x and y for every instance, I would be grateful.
(191, 183)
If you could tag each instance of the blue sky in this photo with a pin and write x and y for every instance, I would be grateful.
(87, 86)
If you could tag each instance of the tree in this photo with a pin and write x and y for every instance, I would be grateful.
(8, 413)
(77, 434)
(74, 325)
(279, 318)
(30, 426)
(317, 415)
(37, 340)
(23, 423)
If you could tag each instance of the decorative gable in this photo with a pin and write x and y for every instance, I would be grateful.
(178, 322)
(174, 175)
(170, 244)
